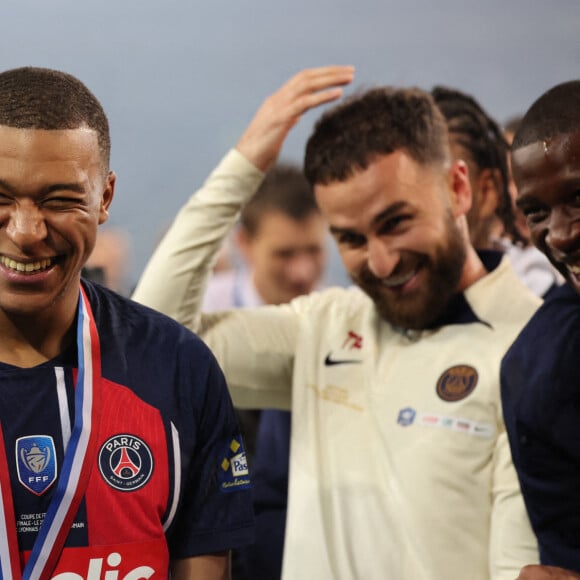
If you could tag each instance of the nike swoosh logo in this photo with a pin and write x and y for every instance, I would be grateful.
(346, 361)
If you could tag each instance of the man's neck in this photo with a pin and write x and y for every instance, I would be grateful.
(27, 341)
(473, 270)
(260, 294)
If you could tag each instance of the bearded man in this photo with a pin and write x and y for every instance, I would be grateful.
(400, 466)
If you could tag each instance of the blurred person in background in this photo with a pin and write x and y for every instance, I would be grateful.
(109, 261)
(494, 221)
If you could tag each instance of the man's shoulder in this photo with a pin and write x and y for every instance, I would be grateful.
(123, 321)
(545, 353)
(556, 321)
(335, 301)
(501, 298)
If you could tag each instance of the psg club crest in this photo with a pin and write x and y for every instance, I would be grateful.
(125, 462)
(36, 462)
(457, 383)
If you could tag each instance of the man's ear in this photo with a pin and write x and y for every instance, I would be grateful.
(460, 188)
(488, 192)
(107, 197)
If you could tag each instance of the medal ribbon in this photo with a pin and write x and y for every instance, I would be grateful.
(9, 556)
(77, 464)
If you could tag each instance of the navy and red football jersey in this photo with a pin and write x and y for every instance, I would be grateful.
(169, 479)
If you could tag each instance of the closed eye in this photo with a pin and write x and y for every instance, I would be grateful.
(393, 223)
(5, 199)
(533, 210)
(63, 202)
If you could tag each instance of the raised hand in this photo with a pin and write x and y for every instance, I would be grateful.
(264, 137)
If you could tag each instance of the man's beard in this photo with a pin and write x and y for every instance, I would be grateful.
(419, 307)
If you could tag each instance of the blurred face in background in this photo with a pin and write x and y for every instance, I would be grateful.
(286, 256)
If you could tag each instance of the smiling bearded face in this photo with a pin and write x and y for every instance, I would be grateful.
(398, 236)
(419, 307)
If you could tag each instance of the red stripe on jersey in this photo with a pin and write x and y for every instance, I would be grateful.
(9, 523)
(122, 514)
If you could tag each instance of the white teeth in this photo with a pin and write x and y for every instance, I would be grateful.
(398, 280)
(25, 267)
(574, 270)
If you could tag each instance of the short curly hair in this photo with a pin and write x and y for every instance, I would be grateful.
(41, 98)
(377, 122)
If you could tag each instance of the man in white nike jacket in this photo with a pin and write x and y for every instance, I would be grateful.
(400, 465)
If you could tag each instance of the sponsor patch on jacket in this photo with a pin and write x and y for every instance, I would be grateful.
(406, 416)
(36, 462)
(457, 382)
(479, 429)
(125, 462)
(233, 469)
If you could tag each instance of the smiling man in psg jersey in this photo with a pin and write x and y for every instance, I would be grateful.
(400, 465)
(119, 450)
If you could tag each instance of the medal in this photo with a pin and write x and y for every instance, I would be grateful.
(75, 472)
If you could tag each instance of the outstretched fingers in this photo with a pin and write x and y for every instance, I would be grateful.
(313, 87)
(265, 135)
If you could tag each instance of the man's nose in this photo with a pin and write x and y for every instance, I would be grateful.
(304, 269)
(563, 235)
(381, 258)
(26, 225)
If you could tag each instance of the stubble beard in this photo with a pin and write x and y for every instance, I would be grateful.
(419, 308)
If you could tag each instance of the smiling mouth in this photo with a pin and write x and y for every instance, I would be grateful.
(574, 270)
(400, 280)
(26, 267)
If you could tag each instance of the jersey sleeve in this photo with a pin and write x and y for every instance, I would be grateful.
(512, 542)
(215, 509)
(175, 277)
(255, 348)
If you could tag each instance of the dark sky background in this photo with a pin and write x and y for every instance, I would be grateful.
(181, 79)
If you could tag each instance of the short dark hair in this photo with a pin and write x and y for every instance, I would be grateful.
(284, 190)
(476, 133)
(379, 121)
(556, 112)
(41, 98)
